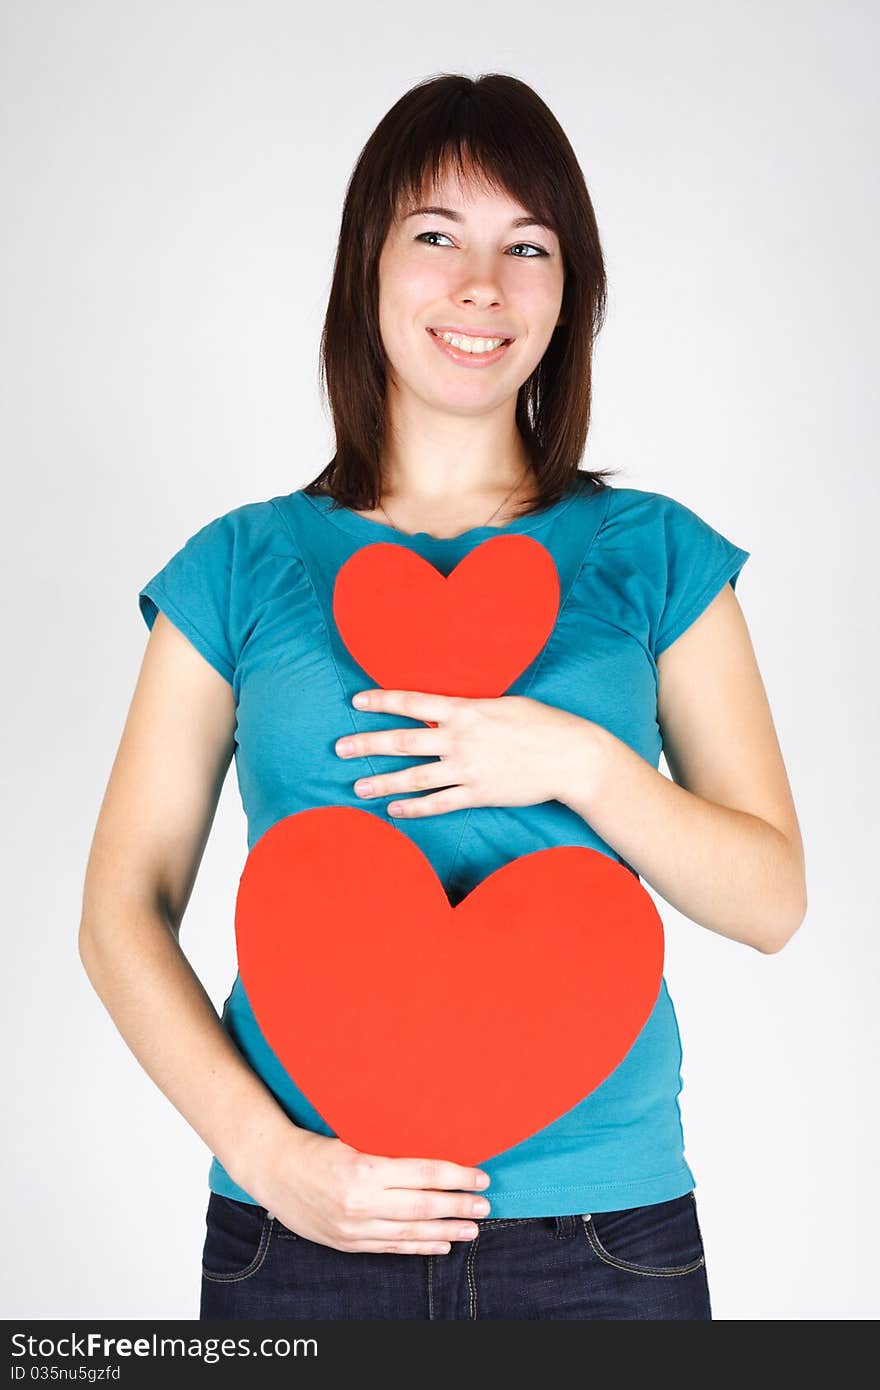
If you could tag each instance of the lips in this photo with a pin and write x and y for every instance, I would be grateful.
(472, 361)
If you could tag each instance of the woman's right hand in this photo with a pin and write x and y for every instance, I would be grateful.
(329, 1192)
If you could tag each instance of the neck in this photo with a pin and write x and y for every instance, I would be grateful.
(438, 460)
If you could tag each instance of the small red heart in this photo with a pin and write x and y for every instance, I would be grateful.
(469, 634)
(421, 1030)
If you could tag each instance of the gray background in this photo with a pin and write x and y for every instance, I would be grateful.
(173, 179)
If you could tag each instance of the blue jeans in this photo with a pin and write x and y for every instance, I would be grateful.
(643, 1263)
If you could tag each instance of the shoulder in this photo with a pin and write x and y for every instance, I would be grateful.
(671, 559)
(642, 525)
(249, 522)
(237, 538)
(660, 525)
(638, 507)
(211, 586)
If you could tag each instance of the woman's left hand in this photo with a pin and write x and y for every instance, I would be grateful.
(510, 751)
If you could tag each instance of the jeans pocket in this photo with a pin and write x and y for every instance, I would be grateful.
(662, 1239)
(237, 1239)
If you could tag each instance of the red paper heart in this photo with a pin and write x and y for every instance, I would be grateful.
(421, 1030)
(469, 634)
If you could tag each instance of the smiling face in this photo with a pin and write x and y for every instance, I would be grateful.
(471, 268)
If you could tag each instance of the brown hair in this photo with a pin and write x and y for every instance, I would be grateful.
(498, 128)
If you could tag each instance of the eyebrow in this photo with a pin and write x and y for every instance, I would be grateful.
(528, 221)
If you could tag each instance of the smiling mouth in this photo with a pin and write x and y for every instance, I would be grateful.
(466, 358)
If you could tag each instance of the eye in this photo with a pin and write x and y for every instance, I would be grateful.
(539, 251)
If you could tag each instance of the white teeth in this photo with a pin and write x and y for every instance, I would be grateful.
(471, 344)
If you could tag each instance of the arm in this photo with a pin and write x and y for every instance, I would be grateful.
(720, 842)
(151, 832)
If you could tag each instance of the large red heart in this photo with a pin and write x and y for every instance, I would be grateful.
(421, 1030)
(469, 634)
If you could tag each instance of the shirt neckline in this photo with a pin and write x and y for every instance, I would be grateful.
(366, 528)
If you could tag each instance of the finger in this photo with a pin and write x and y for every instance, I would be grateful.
(421, 1206)
(400, 743)
(406, 1247)
(429, 1173)
(412, 779)
(393, 1232)
(415, 704)
(450, 799)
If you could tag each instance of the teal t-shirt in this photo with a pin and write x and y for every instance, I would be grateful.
(253, 591)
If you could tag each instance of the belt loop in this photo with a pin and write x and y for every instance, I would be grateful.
(565, 1226)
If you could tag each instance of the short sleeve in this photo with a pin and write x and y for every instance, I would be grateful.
(699, 561)
(193, 590)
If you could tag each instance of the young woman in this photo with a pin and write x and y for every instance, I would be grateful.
(469, 287)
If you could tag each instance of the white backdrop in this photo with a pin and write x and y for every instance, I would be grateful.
(174, 176)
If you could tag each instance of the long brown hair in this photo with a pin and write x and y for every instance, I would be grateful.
(497, 128)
